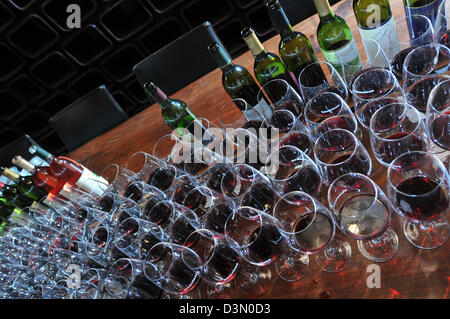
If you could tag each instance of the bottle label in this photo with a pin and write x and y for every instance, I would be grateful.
(92, 183)
(348, 54)
(385, 36)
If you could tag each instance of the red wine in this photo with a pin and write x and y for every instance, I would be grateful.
(106, 203)
(265, 244)
(369, 85)
(149, 205)
(127, 233)
(368, 110)
(355, 76)
(217, 217)
(253, 124)
(133, 192)
(419, 92)
(313, 232)
(223, 265)
(364, 217)
(146, 243)
(304, 179)
(445, 39)
(261, 196)
(181, 229)
(332, 89)
(160, 214)
(427, 199)
(440, 130)
(162, 178)
(299, 140)
(398, 61)
(214, 181)
(344, 122)
(182, 191)
(296, 107)
(282, 121)
(355, 164)
(392, 148)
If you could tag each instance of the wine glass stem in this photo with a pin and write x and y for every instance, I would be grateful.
(426, 227)
(331, 252)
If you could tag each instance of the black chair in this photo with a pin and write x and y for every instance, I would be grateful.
(181, 62)
(18, 147)
(88, 117)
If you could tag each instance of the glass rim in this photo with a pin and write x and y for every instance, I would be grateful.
(431, 156)
(146, 157)
(261, 92)
(404, 20)
(258, 218)
(434, 91)
(391, 76)
(225, 107)
(357, 144)
(232, 170)
(211, 236)
(407, 108)
(320, 63)
(303, 161)
(415, 50)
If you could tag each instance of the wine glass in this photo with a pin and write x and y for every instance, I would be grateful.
(411, 31)
(363, 212)
(396, 129)
(338, 152)
(118, 177)
(248, 187)
(312, 82)
(424, 68)
(139, 191)
(200, 200)
(219, 259)
(309, 227)
(230, 118)
(281, 96)
(292, 170)
(438, 119)
(372, 90)
(327, 111)
(174, 268)
(171, 150)
(418, 189)
(376, 59)
(442, 23)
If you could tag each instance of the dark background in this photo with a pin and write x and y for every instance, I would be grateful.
(44, 66)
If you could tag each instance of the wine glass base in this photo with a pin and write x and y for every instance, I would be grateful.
(432, 237)
(292, 265)
(336, 257)
(254, 281)
(384, 248)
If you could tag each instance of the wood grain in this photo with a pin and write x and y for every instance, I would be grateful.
(413, 273)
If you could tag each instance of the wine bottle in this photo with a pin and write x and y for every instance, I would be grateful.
(7, 209)
(376, 22)
(336, 40)
(71, 172)
(12, 195)
(175, 113)
(239, 83)
(427, 8)
(25, 185)
(295, 48)
(268, 66)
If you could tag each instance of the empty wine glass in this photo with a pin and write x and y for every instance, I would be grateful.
(338, 152)
(229, 118)
(372, 90)
(418, 189)
(292, 170)
(438, 119)
(424, 68)
(248, 187)
(327, 111)
(281, 96)
(174, 268)
(311, 83)
(363, 212)
(143, 165)
(411, 31)
(309, 227)
(118, 177)
(396, 129)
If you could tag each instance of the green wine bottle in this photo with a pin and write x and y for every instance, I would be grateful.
(336, 40)
(6, 208)
(376, 22)
(175, 113)
(11, 194)
(268, 66)
(238, 83)
(295, 48)
(24, 184)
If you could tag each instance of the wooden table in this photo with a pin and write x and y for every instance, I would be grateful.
(412, 273)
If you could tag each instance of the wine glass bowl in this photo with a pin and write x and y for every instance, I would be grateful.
(281, 97)
(438, 117)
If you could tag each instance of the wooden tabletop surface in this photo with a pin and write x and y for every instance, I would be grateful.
(412, 273)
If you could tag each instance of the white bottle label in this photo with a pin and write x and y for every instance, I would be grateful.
(347, 54)
(386, 36)
(92, 183)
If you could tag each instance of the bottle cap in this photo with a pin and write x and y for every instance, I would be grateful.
(10, 174)
(22, 163)
(249, 36)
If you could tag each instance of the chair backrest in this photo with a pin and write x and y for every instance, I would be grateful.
(88, 117)
(18, 147)
(181, 62)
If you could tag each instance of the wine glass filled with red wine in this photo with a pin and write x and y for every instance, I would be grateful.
(309, 227)
(338, 152)
(418, 189)
(327, 111)
(281, 96)
(292, 170)
(372, 90)
(363, 212)
(438, 119)
(312, 83)
(441, 25)
(424, 68)
(396, 129)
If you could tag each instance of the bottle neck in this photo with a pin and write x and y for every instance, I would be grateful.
(324, 10)
(24, 164)
(254, 44)
(221, 56)
(156, 93)
(39, 151)
(10, 175)
(279, 19)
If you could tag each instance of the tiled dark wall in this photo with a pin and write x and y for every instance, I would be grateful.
(44, 66)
